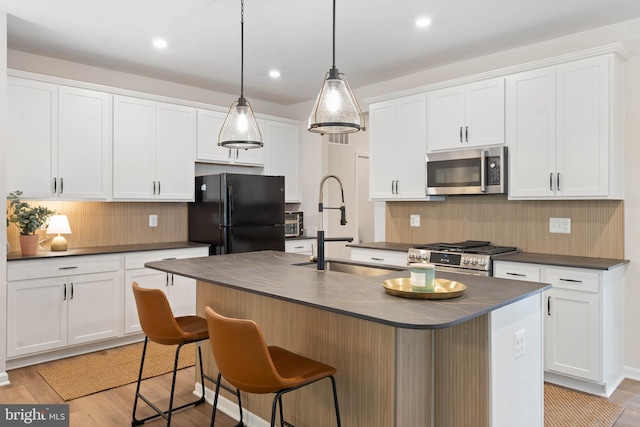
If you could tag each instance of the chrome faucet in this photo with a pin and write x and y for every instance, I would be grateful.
(343, 221)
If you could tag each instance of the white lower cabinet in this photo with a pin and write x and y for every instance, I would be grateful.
(300, 246)
(50, 307)
(180, 291)
(583, 323)
(379, 256)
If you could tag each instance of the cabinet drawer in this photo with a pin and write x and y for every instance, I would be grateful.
(300, 246)
(62, 266)
(138, 259)
(379, 256)
(574, 279)
(516, 271)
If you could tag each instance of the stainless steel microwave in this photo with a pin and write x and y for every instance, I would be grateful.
(293, 224)
(474, 171)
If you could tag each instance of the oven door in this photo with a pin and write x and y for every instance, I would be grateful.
(481, 171)
(461, 270)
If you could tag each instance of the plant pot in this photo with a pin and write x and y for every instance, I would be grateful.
(29, 244)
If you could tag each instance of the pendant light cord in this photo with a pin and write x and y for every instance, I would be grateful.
(334, 34)
(242, 49)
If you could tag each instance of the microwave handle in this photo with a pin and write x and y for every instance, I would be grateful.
(483, 171)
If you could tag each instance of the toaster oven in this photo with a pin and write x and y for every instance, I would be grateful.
(293, 224)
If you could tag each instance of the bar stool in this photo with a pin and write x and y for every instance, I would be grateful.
(245, 361)
(160, 326)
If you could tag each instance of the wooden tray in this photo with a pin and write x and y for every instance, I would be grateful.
(443, 289)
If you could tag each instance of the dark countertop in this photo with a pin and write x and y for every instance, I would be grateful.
(563, 260)
(276, 275)
(524, 257)
(387, 246)
(101, 250)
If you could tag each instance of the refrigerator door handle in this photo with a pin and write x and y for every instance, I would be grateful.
(230, 200)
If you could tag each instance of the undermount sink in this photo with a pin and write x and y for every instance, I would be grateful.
(353, 268)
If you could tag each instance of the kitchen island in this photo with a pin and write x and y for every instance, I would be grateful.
(400, 362)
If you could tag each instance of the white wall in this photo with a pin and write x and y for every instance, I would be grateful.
(3, 183)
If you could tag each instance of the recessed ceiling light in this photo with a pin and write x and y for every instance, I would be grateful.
(423, 22)
(160, 43)
(274, 74)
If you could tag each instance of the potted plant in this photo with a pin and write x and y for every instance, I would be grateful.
(28, 219)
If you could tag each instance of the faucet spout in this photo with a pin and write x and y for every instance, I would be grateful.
(343, 220)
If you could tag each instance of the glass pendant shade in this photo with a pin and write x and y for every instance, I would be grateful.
(336, 109)
(240, 129)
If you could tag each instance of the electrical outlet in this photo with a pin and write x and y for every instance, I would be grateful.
(153, 220)
(560, 225)
(520, 343)
(414, 220)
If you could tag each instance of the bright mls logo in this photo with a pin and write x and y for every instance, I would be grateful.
(34, 415)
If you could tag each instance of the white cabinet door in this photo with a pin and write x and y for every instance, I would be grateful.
(464, 116)
(146, 278)
(207, 148)
(582, 149)
(531, 132)
(446, 118)
(382, 148)
(300, 246)
(573, 337)
(379, 256)
(484, 113)
(175, 139)
(32, 137)
(411, 147)
(182, 295)
(84, 144)
(282, 143)
(249, 157)
(134, 148)
(36, 315)
(94, 307)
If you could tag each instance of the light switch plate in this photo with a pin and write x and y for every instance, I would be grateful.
(414, 220)
(560, 225)
(153, 220)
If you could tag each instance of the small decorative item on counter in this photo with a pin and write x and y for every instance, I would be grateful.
(422, 277)
(28, 219)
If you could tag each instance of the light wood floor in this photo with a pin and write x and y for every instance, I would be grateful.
(112, 408)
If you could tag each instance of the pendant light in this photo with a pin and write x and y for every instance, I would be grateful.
(336, 109)
(240, 129)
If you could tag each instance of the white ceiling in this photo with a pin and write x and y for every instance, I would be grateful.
(375, 40)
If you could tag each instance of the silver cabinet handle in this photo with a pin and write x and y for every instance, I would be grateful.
(61, 185)
(166, 280)
(466, 133)
(55, 185)
(229, 154)
(551, 181)
(460, 134)
(237, 154)
(516, 274)
(67, 268)
(298, 247)
(158, 188)
(549, 306)
(154, 187)
(377, 259)
(397, 186)
(71, 297)
(392, 184)
(64, 296)
(558, 181)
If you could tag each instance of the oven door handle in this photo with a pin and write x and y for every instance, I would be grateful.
(461, 270)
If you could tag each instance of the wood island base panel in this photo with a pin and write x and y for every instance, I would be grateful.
(385, 374)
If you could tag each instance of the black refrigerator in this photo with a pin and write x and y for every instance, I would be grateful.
(238, 213)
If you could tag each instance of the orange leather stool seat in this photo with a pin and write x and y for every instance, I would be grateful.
(244, 360)
(160, 326)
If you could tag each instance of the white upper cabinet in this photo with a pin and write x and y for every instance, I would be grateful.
(470, 115)
(59, 141)
(397, 145)
(563, 131)
(282, 149)
(153, 146)
(207, 149)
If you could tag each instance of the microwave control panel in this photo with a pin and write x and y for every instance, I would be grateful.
(493, 170)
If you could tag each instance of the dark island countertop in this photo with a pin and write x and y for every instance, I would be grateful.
(102, 250)
(563, 260)
(291, 277)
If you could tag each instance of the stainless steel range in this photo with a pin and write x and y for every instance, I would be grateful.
(468, 257)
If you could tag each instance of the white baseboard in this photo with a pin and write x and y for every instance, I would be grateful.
(4, 379)
(632, 373)
(230, 408)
